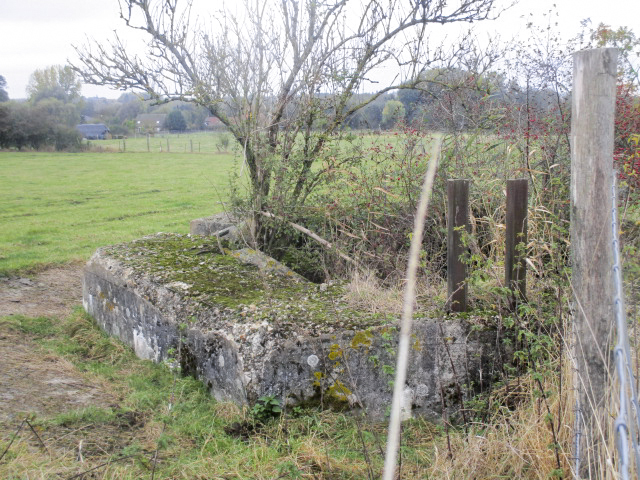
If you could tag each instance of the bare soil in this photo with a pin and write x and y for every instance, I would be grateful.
(37, 384)
(33, 381)
(52, 292)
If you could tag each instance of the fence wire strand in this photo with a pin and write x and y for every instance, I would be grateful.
(627, 423)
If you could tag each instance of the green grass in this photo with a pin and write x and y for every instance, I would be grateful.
(155, 408)
(57, 207)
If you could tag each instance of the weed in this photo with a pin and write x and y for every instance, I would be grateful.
(40, 327)
(266, 408)
(85, 415)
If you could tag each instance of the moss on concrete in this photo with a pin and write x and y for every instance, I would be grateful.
(199, 269)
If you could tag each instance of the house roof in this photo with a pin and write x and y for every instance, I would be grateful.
(92, 129)
(212, 121)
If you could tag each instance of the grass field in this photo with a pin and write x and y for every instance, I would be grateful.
(60, 207)
(188, 142)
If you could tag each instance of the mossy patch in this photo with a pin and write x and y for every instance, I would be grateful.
(199, 270)
(169, 259)
(335, 352)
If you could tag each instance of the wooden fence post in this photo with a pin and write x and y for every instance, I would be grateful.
(592, 121)
(516, 240)
(168, 145)
(148, 147)
(458, 221)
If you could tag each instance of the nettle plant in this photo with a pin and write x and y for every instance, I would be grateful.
(266, 408)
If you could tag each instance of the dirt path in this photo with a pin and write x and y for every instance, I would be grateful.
(32, 381)
(51, 293)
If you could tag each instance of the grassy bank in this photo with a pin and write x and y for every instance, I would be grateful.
(155, 424)
(163, 426)
(60, 207)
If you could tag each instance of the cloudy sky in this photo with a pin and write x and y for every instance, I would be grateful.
(37, 33)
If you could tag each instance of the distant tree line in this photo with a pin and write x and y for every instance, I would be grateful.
(23, 125)
(54, 107)
(446, 100)
(120, 114)
(449, 100)
(48, 118)
(4, 96)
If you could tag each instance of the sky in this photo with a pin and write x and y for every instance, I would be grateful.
(35, 34)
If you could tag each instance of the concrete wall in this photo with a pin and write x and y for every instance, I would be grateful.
(241, 360)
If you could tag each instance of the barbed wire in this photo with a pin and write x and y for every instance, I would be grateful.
(627, 422)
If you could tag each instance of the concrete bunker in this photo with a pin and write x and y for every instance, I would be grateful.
(247, 326)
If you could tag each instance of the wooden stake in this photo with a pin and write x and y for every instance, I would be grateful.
(458, 223)
(516, 240)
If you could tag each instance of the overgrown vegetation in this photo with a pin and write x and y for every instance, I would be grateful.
(517, 128)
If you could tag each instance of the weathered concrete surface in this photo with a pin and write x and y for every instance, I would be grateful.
(212, 224)
(247, 333)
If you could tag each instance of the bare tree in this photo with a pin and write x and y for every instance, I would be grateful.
(282, 75)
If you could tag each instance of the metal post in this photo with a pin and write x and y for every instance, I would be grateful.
(592, 120)
(516, 240)
(458, 223)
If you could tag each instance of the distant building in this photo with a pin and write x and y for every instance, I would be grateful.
(213, 123)
(150, 122)
(93, 131)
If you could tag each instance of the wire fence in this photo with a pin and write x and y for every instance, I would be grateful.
(627, 423)
(624, 386)
(204, 142)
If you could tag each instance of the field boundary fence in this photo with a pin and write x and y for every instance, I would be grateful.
(627, 422)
